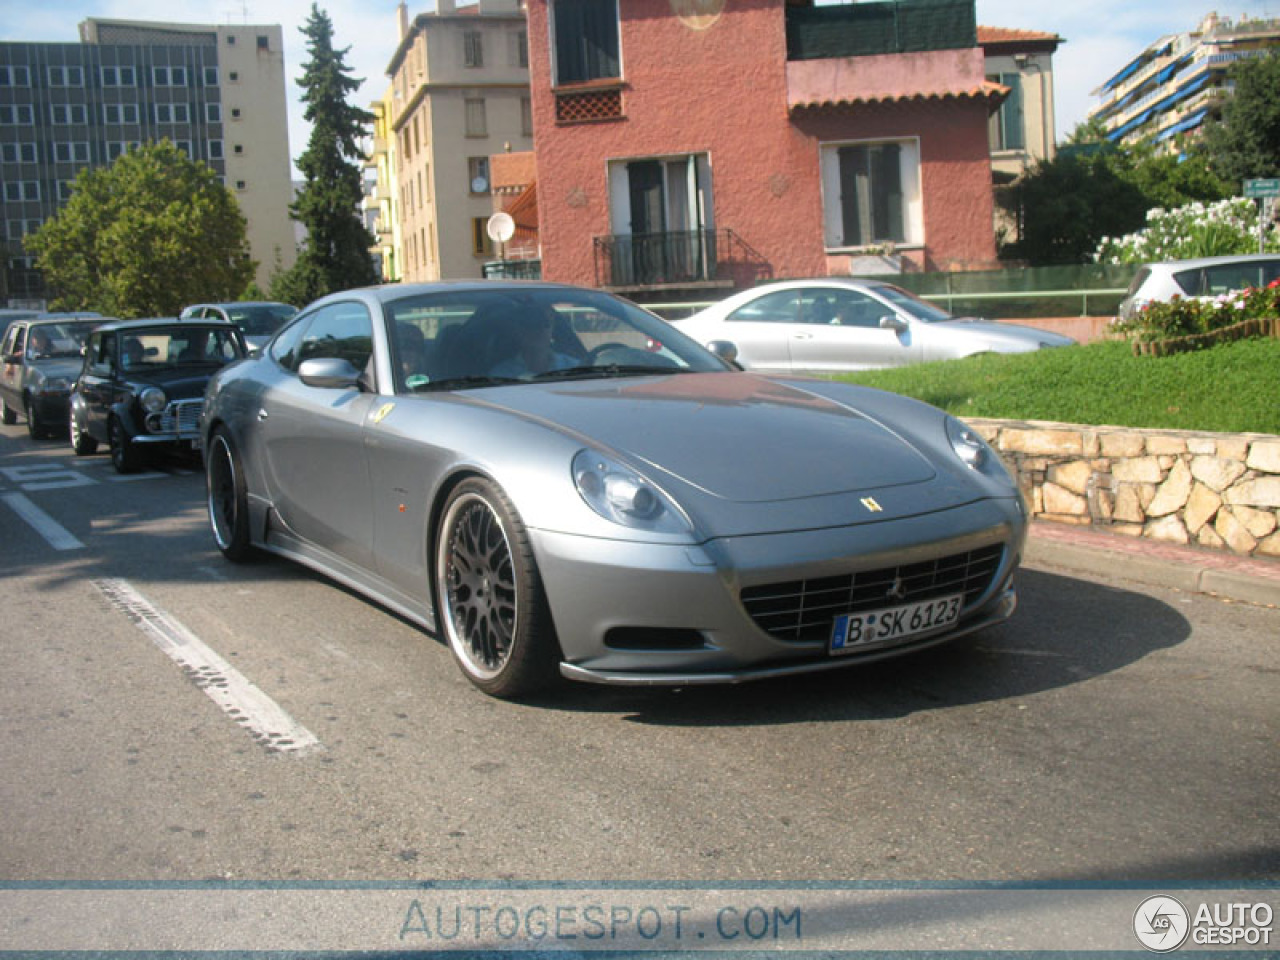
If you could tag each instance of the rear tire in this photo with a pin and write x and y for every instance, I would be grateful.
(228, 498)
(490, 602)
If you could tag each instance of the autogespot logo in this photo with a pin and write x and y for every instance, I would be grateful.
(1161, 923)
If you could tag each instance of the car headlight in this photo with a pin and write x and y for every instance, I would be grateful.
(152, 399)
(621, 495)
(969, 447)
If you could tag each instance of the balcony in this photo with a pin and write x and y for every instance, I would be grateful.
(686, 260)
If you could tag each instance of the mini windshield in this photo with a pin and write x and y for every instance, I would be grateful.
(61, 340)
(483, 337)
(261, 320)
(910, 303)
(150, 348)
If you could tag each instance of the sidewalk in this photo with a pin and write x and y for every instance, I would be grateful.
(1090, 550)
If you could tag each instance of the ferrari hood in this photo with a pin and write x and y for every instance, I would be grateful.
(740, 438)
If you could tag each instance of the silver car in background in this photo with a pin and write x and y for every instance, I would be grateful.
(557, 483)
(1200, 278)
(258, 320)
(834, 324)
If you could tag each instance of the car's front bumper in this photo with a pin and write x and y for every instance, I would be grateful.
(629, 613)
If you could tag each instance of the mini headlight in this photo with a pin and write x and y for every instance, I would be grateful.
(969, 447)
(152, 399)
(622, 496)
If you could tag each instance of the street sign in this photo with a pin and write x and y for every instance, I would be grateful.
(1262, 188)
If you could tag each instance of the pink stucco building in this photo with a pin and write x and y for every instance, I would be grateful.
(686, 144)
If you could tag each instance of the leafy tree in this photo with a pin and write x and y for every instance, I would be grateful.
(335, 255)
(1246, 143)
(145, 236)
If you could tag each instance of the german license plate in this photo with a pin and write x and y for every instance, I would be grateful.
(854, 630)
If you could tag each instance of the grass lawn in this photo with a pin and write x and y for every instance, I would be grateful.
(1233, 388)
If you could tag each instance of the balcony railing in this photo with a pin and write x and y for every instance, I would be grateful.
(690, 258)
(892, 26)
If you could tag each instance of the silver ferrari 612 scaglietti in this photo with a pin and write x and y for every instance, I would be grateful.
(560, 483)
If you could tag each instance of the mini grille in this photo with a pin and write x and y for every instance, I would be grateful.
(587, 106)
(803, 610)
(182, 417)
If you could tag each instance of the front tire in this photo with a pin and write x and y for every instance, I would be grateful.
(228, 498)
(10, 417)
(490, 600)
(81, 442)
(35, 426)
(124, 455)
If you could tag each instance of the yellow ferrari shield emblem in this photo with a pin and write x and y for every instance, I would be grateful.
(870, 504)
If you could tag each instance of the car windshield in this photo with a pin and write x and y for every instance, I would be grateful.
(57, 340)
(262, 319)
(150, 348)
(483, 337)
(910, 303)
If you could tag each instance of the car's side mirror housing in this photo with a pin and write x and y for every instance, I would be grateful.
(726, 350)
(333, 373)
(893, 322)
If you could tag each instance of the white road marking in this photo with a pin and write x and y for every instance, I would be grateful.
(239, 698)
(56, 535)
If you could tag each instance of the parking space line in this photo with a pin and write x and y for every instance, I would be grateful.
(264, 719)
(56, 535)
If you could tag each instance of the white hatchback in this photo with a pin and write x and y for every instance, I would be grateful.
(1203, 277)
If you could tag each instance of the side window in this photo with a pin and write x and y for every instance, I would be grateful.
(284, 349)
(780, 307)
(10, 341)
(853, 309)
(341, 330)
(100, 353)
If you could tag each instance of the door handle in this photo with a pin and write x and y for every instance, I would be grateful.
(262, 414)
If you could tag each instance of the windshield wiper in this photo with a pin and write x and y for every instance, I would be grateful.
(463, 383)
(610, 370)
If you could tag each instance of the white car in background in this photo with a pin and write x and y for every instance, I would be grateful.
(833, 324)
(1197, 279)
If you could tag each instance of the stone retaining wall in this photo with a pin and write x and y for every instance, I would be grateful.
(1212, 489)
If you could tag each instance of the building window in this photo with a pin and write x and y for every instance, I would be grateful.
(1007, 125)
(118, 77)
(215, 149)
(210, 76)
(264, 42)
(478, 174)
(520, 49)
(184, 146)
(586, 42)
(117, 148)
(238, 149)
(16, 114)
(172, 113)
(526, 116)
(241, 185)
(477, 126)
(68, 113)
(66, 77)
(15, 191)
(233, 77)
(871, 194)
(213, 112)
(14, 76)
(120, 113)
(472, 49)
(481, 245)
(18, 152)
(231, 40)
(169, 76)
(71, 152)
(64, 190)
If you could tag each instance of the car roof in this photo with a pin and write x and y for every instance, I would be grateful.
(239, 303)
(143, 323)
(1197, 262)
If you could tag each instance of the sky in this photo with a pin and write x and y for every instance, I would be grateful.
(1100, 36)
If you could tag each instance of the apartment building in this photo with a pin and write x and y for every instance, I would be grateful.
(218, 92)
(380, 186)
(1021, 130)
(459, 94)
(1175, 83)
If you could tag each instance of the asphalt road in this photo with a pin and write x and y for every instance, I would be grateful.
(1110, 733)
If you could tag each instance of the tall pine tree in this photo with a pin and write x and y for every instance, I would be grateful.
(335, 255)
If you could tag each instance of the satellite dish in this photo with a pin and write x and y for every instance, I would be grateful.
(500, 227)
(480, 185)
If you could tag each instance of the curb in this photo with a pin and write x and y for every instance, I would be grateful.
(1087, 550)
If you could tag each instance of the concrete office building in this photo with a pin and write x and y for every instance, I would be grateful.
(218, 92)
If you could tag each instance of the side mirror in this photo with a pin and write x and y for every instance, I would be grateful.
(331, 373)
(893, 322)
(724, 349)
